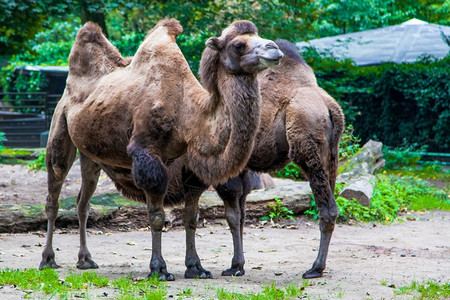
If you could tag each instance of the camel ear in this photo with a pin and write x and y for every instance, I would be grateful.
(213, 43)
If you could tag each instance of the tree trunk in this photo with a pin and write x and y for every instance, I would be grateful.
(88, 14)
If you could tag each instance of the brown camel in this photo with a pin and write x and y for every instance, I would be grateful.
(133, 118)
(301, 123)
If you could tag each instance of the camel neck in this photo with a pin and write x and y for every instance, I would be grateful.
(223, 151)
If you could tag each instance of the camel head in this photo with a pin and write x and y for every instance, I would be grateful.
(242, 51)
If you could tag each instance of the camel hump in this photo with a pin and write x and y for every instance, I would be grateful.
(90, 33)
(290, 51)
(92, 54)
(173, 26)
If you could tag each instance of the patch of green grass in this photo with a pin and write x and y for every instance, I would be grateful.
(269, 292)
(131, 289)
(426, 290)
(185, 292)
(48, 282)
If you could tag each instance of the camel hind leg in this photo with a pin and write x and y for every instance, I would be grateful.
(313, 162)
(60, 155)
(90, 171)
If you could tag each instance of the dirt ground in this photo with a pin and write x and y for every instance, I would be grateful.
(366, 261)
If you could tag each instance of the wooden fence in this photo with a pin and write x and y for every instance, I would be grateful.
(25, 118)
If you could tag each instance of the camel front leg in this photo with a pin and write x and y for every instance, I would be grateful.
(90, 172)
(151, 176)
(233, 194)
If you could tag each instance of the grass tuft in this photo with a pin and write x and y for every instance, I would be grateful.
(426, 290)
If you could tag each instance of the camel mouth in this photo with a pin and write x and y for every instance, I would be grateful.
(270, 62)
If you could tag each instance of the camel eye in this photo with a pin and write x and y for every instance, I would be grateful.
(239, 47)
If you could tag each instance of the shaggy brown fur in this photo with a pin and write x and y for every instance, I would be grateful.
(301, 123)
(132, 118)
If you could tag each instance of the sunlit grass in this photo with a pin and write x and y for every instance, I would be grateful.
(269, 292)
(48, 282)
(426, 290)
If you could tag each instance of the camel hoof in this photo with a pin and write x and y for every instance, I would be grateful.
(196, 273)
(163, 277)
(312, 274)
(233, 272)
(48, 264)
(87, 264)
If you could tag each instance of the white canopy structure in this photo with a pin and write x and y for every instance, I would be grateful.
(400, 43)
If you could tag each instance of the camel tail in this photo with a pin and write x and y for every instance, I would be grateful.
(338, 123)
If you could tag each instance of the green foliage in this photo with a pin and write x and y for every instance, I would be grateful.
(269, 292)
(400, 158)
(279, 212)
(2, 139)
(20, 21)
(291, 171)
(349, 143)
(337, 17)
(391, 195)
(426, 290)
(38, 164)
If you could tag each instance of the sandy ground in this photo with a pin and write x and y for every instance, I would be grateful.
(361, 258)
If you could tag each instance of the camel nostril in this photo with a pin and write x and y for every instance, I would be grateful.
(271, 45)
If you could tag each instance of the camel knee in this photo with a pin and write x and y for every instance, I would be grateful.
(51, 208)
(234, 219)
(157, 220)
(191, 220)
(149, 173)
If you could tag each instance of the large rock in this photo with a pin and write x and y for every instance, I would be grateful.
(358, 173)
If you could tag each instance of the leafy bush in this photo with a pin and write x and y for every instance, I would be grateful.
(2, 139)
(291, 171)
(38, 164)
(349, 143)
(400, 158)
(279, 212)
(50, 47)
